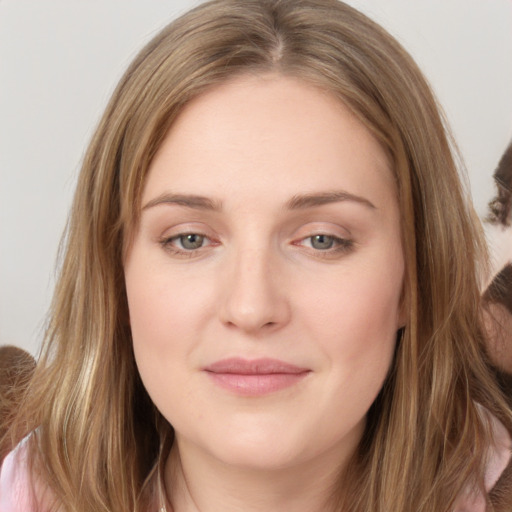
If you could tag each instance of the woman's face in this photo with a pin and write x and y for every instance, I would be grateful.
(264, 282)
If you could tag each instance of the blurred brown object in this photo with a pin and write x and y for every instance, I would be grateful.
(500, 289)
(16, 369)
(498, 296)
(501, 494)
(501, 206)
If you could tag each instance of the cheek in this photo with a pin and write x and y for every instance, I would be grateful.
(159, 341)
(367, 335)
(164, 307)
(355, 323)
(358, 305)
(167, 311)
(150, 321)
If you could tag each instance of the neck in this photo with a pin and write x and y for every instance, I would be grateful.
(197, 482)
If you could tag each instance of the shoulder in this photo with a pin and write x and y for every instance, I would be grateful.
(15, 482)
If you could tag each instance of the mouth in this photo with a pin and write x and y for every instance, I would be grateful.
(255, 377)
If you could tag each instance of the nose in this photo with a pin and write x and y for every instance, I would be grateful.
(255, 298)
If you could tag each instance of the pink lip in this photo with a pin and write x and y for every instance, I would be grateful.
(254, 377)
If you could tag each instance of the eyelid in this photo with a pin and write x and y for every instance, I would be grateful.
(169, 236)
(343, 240)
(186, 228)
(309, 229)
(340, 241)
(168, 245)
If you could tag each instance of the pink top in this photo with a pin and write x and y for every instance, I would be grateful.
(15, 487)
(15, 484)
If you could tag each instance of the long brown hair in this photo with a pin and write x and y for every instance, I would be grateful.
(99, 438)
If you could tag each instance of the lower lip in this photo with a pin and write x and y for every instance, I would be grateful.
(256, 384)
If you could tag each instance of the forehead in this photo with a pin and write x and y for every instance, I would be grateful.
(253, 132)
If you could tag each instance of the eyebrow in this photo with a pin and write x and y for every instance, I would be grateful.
(189, 201)
(304, 201)
(297, 202)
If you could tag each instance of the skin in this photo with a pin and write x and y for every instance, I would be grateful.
(279, 163)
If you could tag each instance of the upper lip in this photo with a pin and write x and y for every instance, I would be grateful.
(263, 366)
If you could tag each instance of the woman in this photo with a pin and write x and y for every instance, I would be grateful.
(269, 295)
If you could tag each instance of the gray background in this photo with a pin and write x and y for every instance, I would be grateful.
(60, 60)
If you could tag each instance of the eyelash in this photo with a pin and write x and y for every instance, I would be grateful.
(339, 246)
(168, 244)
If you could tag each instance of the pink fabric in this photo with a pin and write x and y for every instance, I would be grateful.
(15, 484)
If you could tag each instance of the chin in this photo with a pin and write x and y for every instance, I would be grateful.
(260, 445)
